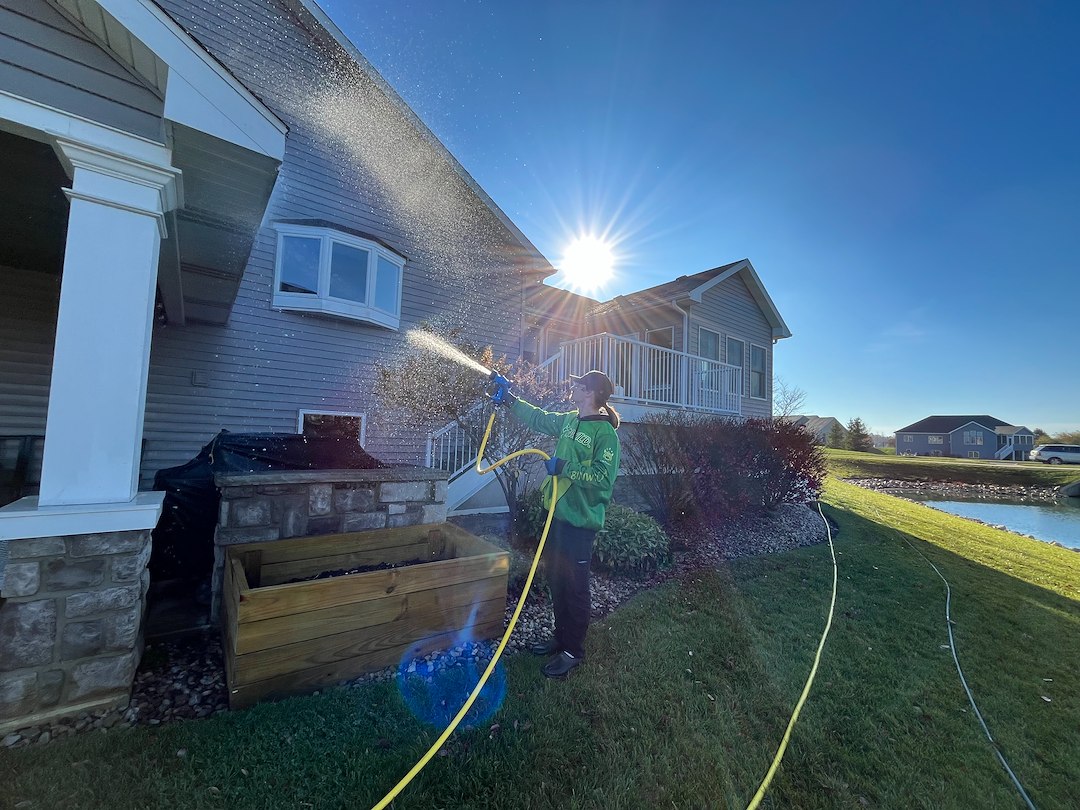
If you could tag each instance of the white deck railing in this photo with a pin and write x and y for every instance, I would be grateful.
(642, 373)
(653, 375)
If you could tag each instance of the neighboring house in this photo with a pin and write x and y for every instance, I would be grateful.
(819, 426)
(965, 437)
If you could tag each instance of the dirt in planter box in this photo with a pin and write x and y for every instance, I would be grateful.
(364, 569)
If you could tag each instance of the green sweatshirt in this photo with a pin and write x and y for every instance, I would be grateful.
(590, 448)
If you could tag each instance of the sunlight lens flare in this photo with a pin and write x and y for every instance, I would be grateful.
(587, 263)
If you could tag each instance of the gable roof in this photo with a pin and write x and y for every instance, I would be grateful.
(539, 266)
(947, 424)
(693, 287)
(816, 425)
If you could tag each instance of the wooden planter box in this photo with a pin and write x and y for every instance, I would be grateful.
(285, 637)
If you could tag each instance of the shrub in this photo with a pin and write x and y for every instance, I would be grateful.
(530, 519)
(630, 543)
(654, 459)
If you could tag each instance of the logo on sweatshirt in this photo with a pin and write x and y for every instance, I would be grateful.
(608, 455)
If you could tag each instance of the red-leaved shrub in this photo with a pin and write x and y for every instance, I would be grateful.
(698, 471)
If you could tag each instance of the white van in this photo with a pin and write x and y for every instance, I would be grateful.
(1056, 453)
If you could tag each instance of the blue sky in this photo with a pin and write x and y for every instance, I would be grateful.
(905, 177)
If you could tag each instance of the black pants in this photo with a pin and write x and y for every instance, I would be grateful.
(568, 553)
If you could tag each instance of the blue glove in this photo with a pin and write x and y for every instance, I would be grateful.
(554, 465)
(501, 395)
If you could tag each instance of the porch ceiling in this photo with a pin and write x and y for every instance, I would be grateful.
(226, 188)
(33, 209)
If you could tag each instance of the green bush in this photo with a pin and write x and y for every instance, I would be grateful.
(630, 543)
(530, 518)
(520, 562)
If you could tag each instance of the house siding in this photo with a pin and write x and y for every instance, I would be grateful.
(730, 309)
(47, 58)
(987, 449)
(27, 334)
(263, 366)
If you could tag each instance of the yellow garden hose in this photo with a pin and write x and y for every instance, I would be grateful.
(754, 802)
(423, 761)
(419, 766)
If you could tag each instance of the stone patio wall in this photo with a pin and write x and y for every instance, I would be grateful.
(71, 614)
(261, 507)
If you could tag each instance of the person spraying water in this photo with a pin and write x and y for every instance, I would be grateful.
(581, 477)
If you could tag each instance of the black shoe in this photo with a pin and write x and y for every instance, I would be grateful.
(560, 665)
(549, 647)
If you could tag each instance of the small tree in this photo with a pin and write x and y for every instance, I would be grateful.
(836, 439)
(424, 390)
(787, 399)
(858, 437)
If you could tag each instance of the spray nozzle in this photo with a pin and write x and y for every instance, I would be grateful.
(501, 386)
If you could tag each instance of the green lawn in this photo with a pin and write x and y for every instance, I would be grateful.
(850, 464)
(684, 699)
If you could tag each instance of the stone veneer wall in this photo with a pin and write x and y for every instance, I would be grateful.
(258, 507)
(71, 614)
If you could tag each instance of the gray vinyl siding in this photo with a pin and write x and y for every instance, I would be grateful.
(730, 309)
(47, 58)
(27, 334)
(263, 366)
(989, 446)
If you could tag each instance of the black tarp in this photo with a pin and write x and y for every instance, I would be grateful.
(184, 538)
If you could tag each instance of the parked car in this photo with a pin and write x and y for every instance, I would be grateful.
(1056, 453)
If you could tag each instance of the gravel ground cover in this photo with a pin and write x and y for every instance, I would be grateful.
(184, 679)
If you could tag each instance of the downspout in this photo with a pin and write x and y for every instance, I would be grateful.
(685, 365)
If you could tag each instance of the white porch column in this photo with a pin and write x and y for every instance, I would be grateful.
(93, 435)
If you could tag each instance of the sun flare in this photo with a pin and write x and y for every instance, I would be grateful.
(587, 263)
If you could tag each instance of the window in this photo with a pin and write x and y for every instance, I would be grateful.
(320, 269)
(735, 350)
(973, 437)
(759, 380)
(936, 440)
(973, 454)
(708, 343)
(908, 437)
(332, 425)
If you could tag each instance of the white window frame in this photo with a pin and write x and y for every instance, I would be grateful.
(670, 329)
(908, 438)
(764, 372)
(719, 342)
(973, 437)
(321, 301)
(935, 440)
(361, 439)
(974, 454)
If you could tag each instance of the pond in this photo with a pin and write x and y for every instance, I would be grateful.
(1053, 522)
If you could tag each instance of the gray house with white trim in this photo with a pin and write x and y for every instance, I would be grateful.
(965, 437)
(219, 216)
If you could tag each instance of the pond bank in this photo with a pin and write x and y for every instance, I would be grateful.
(960, 490)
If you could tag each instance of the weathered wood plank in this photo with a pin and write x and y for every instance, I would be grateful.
(305, 548)
(417, 623)
(305, 680)
(284, 600)
(254, 636)
(281, 573)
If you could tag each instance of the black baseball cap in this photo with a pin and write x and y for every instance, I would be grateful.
(595, 381)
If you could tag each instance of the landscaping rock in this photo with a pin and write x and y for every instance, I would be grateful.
(185, 679)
